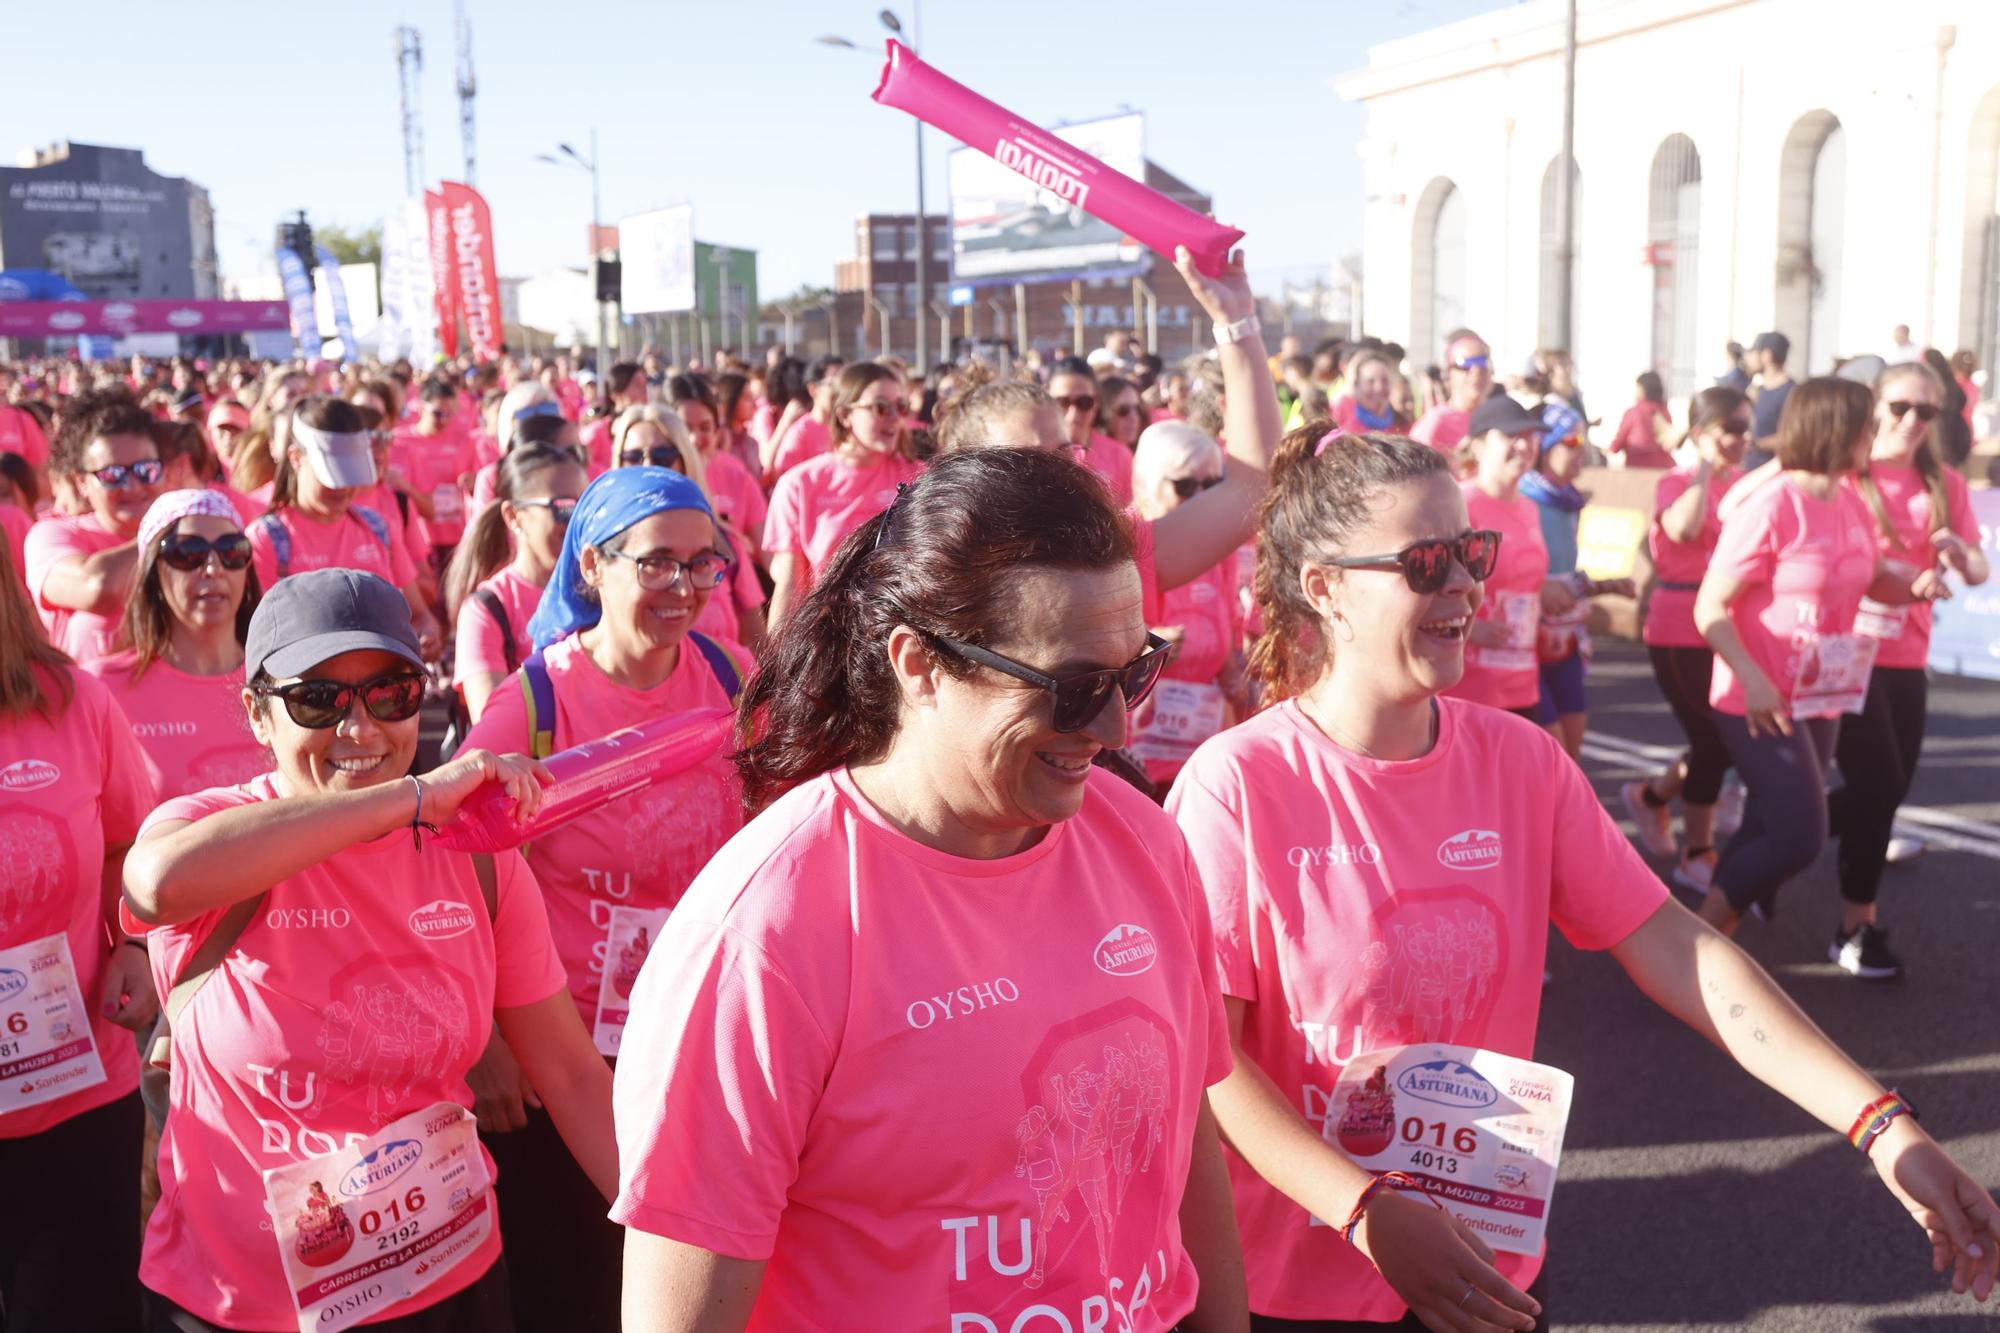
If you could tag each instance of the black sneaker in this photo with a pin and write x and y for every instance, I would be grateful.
(1864, 952)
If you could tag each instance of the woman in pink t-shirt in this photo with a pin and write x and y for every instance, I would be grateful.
(738, 498)
(496, 577)
(74, 787)
(341, 1024)
(1203, 619)
(1779, 603)
(1379, 875)
(1638, 441)
(179, 680)
(1923, 519)
(1502, 441)
(740, 405)
(816, 504)
(1686, 525)
(615, 647)
(1120, 414)
(925, 1045)
(1075, 393)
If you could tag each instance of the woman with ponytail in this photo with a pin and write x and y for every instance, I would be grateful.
(806, 1143)
(496, 577)
(1923, 521)
(1380, 874)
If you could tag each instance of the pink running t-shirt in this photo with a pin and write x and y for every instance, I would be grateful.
(349, 542)
(740, 594)
(362, 990)
(1112, 462)
(1905, 631)
(482, 646)
(739, 500)
(67, 788)
(192, 728)
(931, 1092)
(408, 531)
(806, 438)
(1509, 676)
(1361, 903)
(434, 463)
(641, 851)
(1211, 622)
(1805, 564)
(816, 504)
(1442, 428)
(1678, 566)
(84, 635)
(596, 439)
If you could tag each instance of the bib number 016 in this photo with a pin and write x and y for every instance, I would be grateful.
(399, 1217)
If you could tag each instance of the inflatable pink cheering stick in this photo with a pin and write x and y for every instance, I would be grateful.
(1140, 211)
(588, 776)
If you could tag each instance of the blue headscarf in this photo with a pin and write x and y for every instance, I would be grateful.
(611, 504)
(1561, 425)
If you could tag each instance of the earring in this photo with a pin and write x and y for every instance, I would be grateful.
(1341, 621)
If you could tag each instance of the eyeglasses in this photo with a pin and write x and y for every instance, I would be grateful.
(1926, 412)
(1473, 363)
(1426, 565)
(320, 704)
(888, 407)
(660, 455)
(1080, 696)
(1082, 402)
(1189, 487)
(657, 573)
(188, 553)
(116, 477)
(562, 508)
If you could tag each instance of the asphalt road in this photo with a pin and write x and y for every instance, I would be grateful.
(1693, 1197)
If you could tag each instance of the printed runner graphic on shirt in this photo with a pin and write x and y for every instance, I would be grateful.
(37, 870)
(1431, 970)
(392, 1024)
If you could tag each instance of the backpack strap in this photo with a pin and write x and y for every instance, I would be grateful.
(209, 956)
(489, 883)
(280, 538)
(539, 693)
(375, 523)
(490, 600)
(727, 674)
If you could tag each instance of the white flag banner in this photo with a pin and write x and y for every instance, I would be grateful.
(420, 290)
(392, 334)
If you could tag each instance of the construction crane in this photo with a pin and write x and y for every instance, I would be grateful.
(468, 87)
(409, 65)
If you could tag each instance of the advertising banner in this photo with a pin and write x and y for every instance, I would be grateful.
(68, 319)
(392, 334)
(299, 295)
(336, 293)
(1965, 631)
(444, 270)
(420, 314)
(1005, 227)
(657, 250)
(478, 293)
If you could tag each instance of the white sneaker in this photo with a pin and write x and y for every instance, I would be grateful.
(1905, 849)
(1696, 873)
(1729, 810)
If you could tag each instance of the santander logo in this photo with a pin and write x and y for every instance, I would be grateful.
(1474, 849)
(1126, 950)
(441, 919)
(29, 775)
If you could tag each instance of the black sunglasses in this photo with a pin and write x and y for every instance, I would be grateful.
(319, 704)
(187, 552)
(1081, 402)
(1926, 412)
(660, 455)
(562, 508)
(1080, 696)
(1189, 487)
(1426, 565)
(147, 472)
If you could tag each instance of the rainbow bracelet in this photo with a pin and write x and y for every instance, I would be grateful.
(1387, 1180)
(1875, 1118)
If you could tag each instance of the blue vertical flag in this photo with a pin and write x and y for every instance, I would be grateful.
(336, 295)
(299, 293)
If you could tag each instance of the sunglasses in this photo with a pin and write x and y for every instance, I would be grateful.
(1083, 402)
(660, 455)
(1426, 565)
(888, 407)
(1080, 696)
(188, 553)
(1124, 409)
(561, 508)
(116, 477)
(1926, 412)
(657, 573)
(1473, 363)
(320, 704)
(1189, 487)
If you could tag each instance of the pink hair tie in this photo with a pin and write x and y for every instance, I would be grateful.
(1327, 439)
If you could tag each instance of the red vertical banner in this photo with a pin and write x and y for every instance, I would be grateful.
(444, 270)
(478, 273)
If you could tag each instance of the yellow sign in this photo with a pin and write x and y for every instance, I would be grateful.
(1608, 541)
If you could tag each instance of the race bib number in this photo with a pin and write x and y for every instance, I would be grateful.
(1521, 613)
(1884, 623)
(1481, 1132)
(46, 1050)
(626, 943)
(1832, 675)
(1183, 714)
(382, 1220)
(449, 501)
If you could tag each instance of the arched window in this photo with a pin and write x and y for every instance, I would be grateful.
(1673, 236)
(1437, 268)
(1548, 328)
(1812, 221)
(1979, 283)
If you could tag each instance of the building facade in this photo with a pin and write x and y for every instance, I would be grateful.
(111, 225)
(1825, 168)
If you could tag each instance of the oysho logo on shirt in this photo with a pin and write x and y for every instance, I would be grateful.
(1126, 950)
(29, 775)
(1474, 849)
(441, 920)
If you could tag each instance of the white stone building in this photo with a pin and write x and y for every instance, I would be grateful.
(1826, 168)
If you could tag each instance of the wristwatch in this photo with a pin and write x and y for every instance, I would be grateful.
(1226, 334)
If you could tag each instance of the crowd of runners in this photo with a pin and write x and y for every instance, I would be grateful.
(1122, 753)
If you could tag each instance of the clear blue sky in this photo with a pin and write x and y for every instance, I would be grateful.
(729, 105)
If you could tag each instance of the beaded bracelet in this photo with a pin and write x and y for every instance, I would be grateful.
(1875, 1118)
(1387, 1180)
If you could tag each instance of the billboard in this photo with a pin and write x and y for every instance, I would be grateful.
(1006, 228)
(102, 218)
(657, 250)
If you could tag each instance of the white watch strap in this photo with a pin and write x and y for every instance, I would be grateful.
(1225, 334)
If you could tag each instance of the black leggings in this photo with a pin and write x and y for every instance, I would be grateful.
(565, 1256)
(1259, 1323)
(69, 1229)
(1878, 752)
(1784, 820)
(1683, 675)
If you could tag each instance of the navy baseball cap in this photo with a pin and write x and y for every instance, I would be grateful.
(308, 618)
(1501, 412)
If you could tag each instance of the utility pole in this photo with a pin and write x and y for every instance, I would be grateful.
(1565, 195)
(409, 65)
(468, 87)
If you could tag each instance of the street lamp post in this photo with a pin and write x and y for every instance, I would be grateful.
(596, 221)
